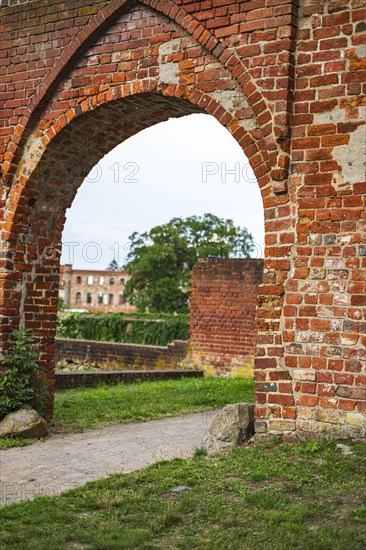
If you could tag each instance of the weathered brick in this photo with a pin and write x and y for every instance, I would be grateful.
(307, 400)
(351, 393)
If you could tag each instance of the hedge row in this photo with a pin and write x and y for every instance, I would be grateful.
(149, 329)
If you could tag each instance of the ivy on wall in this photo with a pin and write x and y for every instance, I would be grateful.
(148, 329)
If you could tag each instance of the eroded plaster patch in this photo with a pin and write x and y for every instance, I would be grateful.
(169, 70)
(351, 157)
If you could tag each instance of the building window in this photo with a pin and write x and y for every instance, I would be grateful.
(89, 298)
(121, 300)
(111, 281)
(78, 280)
(90, 279)
(78, 298)
(100, 298)
(101, 280)
(110, 300)
(122, 282)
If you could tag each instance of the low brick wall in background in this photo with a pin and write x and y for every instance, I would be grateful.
(223, 326)
(117, 356)
(69, 380)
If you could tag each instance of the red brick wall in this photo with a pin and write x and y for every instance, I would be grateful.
(223, 327)
(287, 79)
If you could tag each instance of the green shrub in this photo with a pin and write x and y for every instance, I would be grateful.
(21, 386)
(148, 329)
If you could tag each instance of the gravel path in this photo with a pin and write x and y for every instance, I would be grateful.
(65, 461)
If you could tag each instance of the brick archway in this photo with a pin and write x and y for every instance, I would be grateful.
(72, 135)
(40, 199)
(263, 72)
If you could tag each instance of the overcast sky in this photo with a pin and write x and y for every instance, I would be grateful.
(176, 168)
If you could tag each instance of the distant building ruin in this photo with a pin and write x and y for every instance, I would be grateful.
(94, 290)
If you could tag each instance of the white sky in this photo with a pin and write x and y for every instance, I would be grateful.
(167, 165)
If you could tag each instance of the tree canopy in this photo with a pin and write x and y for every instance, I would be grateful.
(113, 265)
(160, 260)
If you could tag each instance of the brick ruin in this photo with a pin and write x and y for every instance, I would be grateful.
(287, 79)
(94, 290)
(223, 301)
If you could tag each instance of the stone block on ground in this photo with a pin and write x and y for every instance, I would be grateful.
(24, 423)
(231, 426)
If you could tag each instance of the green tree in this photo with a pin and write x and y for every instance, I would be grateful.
(160, 260)
(113, 265)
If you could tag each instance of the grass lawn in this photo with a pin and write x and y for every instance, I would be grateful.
(10, 442)
(263, 496)
(76, 410)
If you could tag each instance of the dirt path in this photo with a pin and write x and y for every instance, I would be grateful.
(66, 461)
